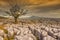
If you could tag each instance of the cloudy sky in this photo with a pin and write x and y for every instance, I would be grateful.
(41, 8)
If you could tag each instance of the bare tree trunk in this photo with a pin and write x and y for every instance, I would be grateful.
(15, 19)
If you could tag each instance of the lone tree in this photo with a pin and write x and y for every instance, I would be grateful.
(16, 11)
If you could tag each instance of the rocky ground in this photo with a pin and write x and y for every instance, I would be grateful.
(40, 29)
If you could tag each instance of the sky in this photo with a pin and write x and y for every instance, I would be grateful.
(40, 2)
(41, 8)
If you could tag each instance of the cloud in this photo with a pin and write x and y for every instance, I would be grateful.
(44, 8)
(40, 2)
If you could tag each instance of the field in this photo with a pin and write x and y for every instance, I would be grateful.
(33, 28)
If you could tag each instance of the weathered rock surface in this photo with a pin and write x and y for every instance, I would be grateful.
(40, 30)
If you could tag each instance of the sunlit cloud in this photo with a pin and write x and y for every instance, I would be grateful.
(40, 2)
(49, 8)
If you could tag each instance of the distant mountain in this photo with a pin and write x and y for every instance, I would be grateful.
(1, 17)
(43, 18)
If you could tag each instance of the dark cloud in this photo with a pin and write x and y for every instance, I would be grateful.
(46, 9)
